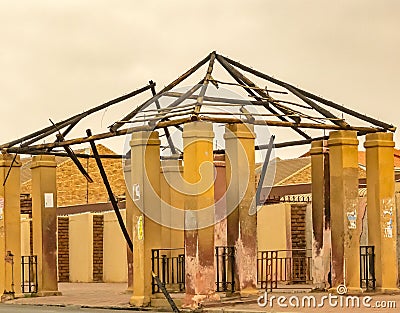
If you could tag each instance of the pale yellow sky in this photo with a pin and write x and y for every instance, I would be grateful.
(58, 58)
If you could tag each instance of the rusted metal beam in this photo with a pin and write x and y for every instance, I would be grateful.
(264, 169)
(109, 191)
(245, 86)
(249, 117)
(74, 159)
(239, 78)
(181, 121)
(181, 78)
(101, 136)
(74, 119)
(78, 155)
(288, 124)
(205, 84)
(315, 106)
(314, 97)
(166, 131)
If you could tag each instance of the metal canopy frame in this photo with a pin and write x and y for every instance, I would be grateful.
(278, 112)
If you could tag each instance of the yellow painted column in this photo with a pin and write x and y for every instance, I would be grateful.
(345, 220)
(145, 174)
(172, 206)
(129, 220)
(10, 224)
(241, 225)
(44, 220)
(220, 233)
(198, 172)
(382, 224)
(321, 244)
(165, 210)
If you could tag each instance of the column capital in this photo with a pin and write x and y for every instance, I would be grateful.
(318, 147)
(234, 131)
(127, 165)
(145, 138)
(343, 137)
(43, 161)
(379, 140)
(171, 166)
(6, 160)
(198, 129)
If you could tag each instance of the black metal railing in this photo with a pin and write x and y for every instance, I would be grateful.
(284, 266)
(169, 266)
(367, 267)
(29, 274)
(225, 266)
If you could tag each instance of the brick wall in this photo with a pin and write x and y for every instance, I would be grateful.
(298, 231)
(63, 249)
(98, 231)
(298, 225)
(73, 188)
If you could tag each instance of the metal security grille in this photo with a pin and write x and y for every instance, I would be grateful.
(283, 266)
(225, 265)
(29, 274)
(367, 267)
(169, 266)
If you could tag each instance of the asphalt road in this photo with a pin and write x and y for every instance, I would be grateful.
(11, 308)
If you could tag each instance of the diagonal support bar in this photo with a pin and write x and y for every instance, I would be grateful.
(205, 83)
(143, 106)
(314, 97)
(166, 131)
(74, 119)
(315, 106)
(109, 191)
(258, 90)
(76, 161)
(234, 73)
(264, 169)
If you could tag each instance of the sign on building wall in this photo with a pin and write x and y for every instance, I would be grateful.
(136, 192)
(140, 234)
(49, 200)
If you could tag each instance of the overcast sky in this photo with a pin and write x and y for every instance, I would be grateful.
(58, 58)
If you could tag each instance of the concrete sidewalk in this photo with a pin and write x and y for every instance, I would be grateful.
(114, 296)
(99, 295)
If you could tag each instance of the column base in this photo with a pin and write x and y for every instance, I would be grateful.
(139, 301)
(387, 290)
(248, 292)
(46, 293)
(195, 301)
(320, 286)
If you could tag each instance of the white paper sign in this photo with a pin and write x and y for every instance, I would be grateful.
(48, 200)
(136, 192)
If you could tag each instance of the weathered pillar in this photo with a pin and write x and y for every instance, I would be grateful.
(10, 225)
(44, 221)
(220, 200)
(199, 212)
(345, 220)
(145, 174)
(173, 203)
(321, 244)
(382, 226)
(129, 220)
(241, 226)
